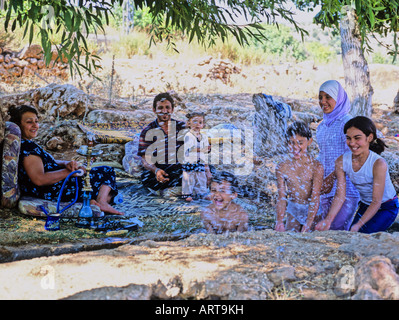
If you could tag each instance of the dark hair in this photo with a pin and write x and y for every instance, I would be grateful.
(299, 128)
(368, 127)
(16, 112)
(161, 97)
(195, 114)
(221, 176)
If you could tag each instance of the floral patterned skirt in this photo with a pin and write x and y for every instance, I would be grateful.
(102, 175)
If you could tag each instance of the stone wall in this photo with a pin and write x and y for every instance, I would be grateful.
(28, 61)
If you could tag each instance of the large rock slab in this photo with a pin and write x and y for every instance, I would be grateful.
(250, 265)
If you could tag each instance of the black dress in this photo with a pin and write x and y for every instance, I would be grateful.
(98, 176)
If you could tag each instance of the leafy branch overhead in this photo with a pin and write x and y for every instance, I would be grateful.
(374, 17)
(202, 20)
(47, 18)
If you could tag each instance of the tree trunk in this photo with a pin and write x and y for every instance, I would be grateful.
(356, 70)
(396, 103)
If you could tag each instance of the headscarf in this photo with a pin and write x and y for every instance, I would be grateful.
(338, 93)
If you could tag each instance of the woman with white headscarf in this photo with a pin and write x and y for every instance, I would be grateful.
(331, 139)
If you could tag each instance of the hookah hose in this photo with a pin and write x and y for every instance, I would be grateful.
(80, 173)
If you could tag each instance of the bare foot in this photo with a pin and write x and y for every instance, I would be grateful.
(106, 207)
(189, 199)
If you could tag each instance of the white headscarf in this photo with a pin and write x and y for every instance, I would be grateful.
(331, 87)
(334, 89)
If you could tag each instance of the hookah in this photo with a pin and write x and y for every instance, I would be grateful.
(53, 220)
(85, 217)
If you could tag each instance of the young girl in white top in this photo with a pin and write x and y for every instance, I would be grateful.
(331, 139)
(196, 172)
(368, 171)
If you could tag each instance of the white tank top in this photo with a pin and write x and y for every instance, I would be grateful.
(363, 179)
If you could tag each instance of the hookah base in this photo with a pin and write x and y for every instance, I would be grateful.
(83, 223)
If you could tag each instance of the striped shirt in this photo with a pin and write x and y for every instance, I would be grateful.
(332, 143)
(163, 151)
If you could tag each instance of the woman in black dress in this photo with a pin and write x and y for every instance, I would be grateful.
(41, 176)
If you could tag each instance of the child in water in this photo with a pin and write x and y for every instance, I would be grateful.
(299, 182)
(196, 172)
(223, 215)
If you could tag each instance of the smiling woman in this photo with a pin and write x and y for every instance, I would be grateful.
(335, 104)
(29, 125)
(41, 176)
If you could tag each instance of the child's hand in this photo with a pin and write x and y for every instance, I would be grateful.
(323, 225)
(355, 228)
(280, 227)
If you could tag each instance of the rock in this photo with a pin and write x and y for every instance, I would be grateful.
(112, 152)
(270, 124)
(32, 51)
(107, 116)
(33, 60)
(55, 56)
(40, 64)
(21, 63)
(376, 279)
(236, 266)
(28, 71)
(282, 274)
(130, 292)
(3, 72)
(8, 65)
(216, 69)
(60, 100)
(29, 60)
(15, 71)
(169, 291)
(55, 143)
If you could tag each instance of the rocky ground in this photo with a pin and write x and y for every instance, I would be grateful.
(253, 265)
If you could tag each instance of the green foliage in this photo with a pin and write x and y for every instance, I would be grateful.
(132, 44)
(281, 42)
(319, 52)
(373, 17)
(378, 57)
(142, 19)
